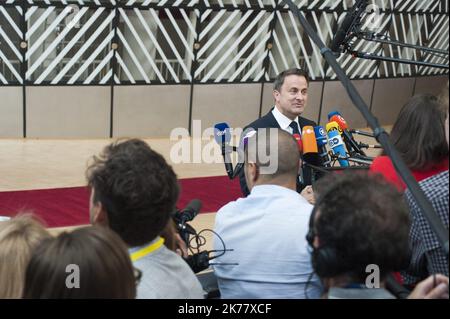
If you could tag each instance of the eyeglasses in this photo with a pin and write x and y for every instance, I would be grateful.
(137, 275)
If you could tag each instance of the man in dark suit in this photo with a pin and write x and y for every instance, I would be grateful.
(290, 92)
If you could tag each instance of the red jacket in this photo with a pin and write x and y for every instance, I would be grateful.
(384, 166)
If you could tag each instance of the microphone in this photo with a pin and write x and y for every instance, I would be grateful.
(298, 138)
(333, 126)
(346, 26)
(336, 144)
(341, 34)
(321, 139)
(181, 217)
(241, 151)
(189, 212)
(222, 136)
(331, 114)
(310, 150)
(348, 138)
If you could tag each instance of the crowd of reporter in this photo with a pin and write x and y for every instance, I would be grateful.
(345, 239)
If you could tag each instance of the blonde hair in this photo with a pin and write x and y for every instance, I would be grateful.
(18, 237)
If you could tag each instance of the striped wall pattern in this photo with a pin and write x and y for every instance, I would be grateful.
(87, 42)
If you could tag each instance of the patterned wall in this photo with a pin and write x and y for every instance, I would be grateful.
(92, 42)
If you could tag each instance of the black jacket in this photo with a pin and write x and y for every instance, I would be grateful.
(269, 121)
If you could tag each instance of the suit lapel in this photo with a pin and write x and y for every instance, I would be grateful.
(271, 121)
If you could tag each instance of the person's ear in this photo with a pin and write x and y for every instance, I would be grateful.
(99, 215)
(276, 95)
(254, 172)
(316, 242)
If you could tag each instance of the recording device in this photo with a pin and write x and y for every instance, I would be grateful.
(336, 144)
(298, 139)
(348, 138)
(350, 29)
(222, 136)
(331, 114)
(182, 217)
(347, 28)
(310, 149)
(200, 260)
(321, 140)
(333, 126)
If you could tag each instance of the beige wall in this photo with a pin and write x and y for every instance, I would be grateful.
(150, 111)
(335, 98)
(11, 112)
(433, 85)
(235, 104)
(68, 112)
(153, 111)
(389, 97)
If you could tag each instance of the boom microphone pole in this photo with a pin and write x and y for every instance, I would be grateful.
(379, 133)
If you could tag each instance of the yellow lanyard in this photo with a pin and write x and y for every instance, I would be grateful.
(146, 250)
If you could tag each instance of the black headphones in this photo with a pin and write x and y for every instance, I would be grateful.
(325, 260)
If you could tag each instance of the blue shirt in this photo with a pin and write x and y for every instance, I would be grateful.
(267, 232)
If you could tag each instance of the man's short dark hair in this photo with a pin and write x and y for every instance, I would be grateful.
(137, 189)
(279, 80)
(362, 220)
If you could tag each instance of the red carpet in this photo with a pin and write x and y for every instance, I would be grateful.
(70, 206)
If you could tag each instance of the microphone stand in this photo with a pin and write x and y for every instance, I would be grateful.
(371, 56)
(362, 133)
(381, 38)
(379, 133)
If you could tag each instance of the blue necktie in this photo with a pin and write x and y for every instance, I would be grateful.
(294, 127)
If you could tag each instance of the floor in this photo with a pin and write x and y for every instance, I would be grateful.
(42, 163)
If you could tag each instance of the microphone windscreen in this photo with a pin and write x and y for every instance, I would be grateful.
(337, 146)
(194, 205)
(222, 133)
(333, 126)
(331, 114)
(321, 135)
(341, 33)
(340, 120)
(309, 140)
(299, 142)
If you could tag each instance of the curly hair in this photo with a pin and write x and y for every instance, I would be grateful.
(363, 220)
(137, 189)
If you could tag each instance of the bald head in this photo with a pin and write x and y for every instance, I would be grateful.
(274, 155)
